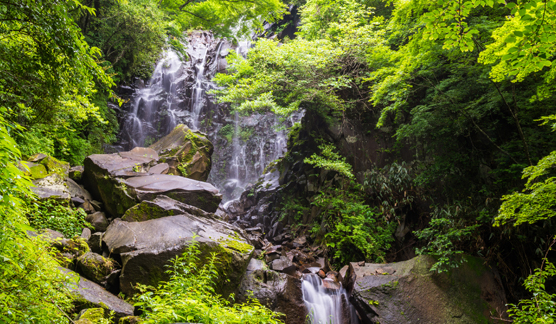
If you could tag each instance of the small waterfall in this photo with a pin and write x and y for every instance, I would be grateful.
(198, 91)
(326, 300)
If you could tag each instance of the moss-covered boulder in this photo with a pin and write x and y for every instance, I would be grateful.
(130, 320)
(146, 247)
(54, 165)
(186, 152)
(33, 170)
(408, 292)
(95, 267)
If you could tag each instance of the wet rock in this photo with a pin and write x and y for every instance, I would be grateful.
(278, 291)
(415, 294)
(187, 153)
(95, 267)
(282, 263)
(89, 294)
(161, 206)
(98, 220)
(145, 247)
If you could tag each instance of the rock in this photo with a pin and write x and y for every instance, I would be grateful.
(281, 264)
(95, 242)
(54, 165)
(87, 207)
(75, 246)
(255, 264)
(161, 206)
(51, 187)
(414, 294)
(49, 235)
(277, 291)
(77, 201)
(98, 220)
(76, 172)
(343, 272)
(88, 294)
(145, 247)
(161, 168)
(302, 240)
(195, 193)
(37, 157)
(186, 152)
(76, 190)
(269, 257)
(95, 267)
(330, 284)
(86, 234)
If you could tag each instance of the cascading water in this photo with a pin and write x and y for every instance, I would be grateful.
(326, 300)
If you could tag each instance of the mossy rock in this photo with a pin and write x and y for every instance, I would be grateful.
(54, 165)
(34, 170)
(95, 267)
(130, 320)
(187, 153)
(94, 315)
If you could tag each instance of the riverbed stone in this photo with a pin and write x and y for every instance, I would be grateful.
(414, 294)
(188, 153)
(98, 220)
(145, 247)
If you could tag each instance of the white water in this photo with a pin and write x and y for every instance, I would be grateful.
(325, 305)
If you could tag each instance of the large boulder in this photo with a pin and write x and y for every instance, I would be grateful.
(408, 292)
(186, 152)
(277, 291)
(122, 180)
(146, 247)
(88, 295)
(52, 186)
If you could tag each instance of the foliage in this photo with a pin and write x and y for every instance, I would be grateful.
(32, 289)
(130, 35)
(330, 160)
(227, 132)
(49, 75)
(189, 296)
(223, 17)
(58, 216)
(353, 229)
(445, 236)
(541, 308)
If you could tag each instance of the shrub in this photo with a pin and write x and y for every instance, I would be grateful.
(189, 296)
(57, 216)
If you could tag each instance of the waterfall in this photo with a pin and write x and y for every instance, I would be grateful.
(326, 300)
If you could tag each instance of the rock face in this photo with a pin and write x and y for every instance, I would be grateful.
(122, 180)
(145, 247)
(278, 291)
(187, 153)
(407, 292)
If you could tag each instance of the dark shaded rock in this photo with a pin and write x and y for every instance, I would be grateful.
(87, 207)
(145, 247)
(98, 220)
(95, 267)
(77, 201)
(161, 206)
(415, 294)
(186, 152)
(88, 294)
(76, 172)
(95, 242)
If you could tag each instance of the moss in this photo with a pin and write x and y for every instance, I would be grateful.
(37, 171)
(237, 245)
(95, 315)
(54, 165)
(130, 320)
(145, 211)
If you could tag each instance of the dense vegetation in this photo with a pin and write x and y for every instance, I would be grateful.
(466, 86)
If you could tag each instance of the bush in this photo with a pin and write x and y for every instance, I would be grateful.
(57, 216)
(189, 296)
